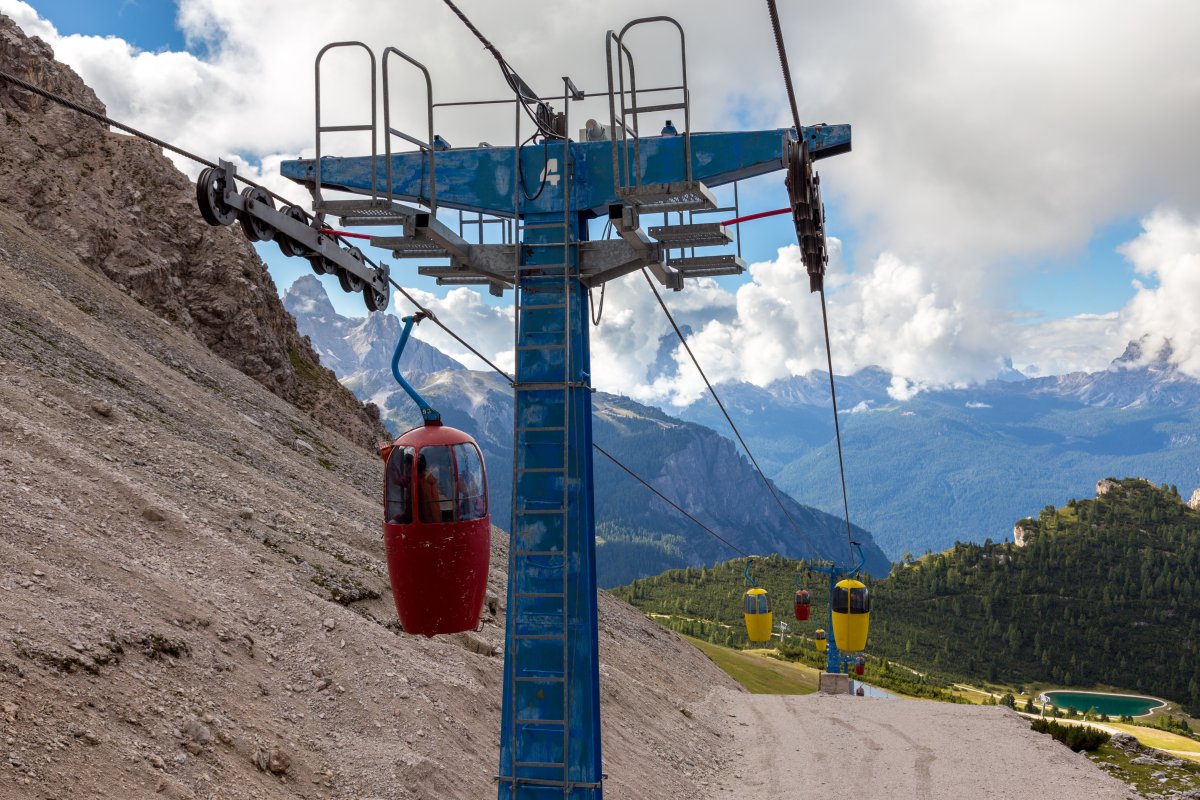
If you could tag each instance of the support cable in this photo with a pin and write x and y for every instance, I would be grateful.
(542, 116)
(96, 115)
(736, 432)
(837, 428)
(783, 62)
(671, 503)
(777, 29)
(341, 236)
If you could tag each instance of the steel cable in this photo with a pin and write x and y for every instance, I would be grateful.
(416, 304)
(712, 391)
(671, 503)
(777, 29)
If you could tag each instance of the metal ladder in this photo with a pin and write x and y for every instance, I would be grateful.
(643, 195)
(380, 207)
(539, 715)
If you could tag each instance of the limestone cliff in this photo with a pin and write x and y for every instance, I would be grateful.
(118, 205)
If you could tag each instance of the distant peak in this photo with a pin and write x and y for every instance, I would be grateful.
(307, 295)
(1137, 355)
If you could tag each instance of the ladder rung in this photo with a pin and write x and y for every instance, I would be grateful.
(541, 469)
(539, 594)
(543, 428)
(551, 305)
(338, 128)
(649, 109)
(542, 511)
(567, 786)
(557, 636)
(551, 244)
(533, 679)
(539, 553)
(542, 386)
(542, 764)
(540, 722)
(542, 347)
(542, 225)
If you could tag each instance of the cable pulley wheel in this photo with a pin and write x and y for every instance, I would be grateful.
(287, 245)
(210, 191)
(320, 264)
(375, 299)
(808, 212)
(349, 281)
(256, 230)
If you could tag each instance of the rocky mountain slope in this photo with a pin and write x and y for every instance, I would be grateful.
(193, 595)
(638, 534)
(119, 206)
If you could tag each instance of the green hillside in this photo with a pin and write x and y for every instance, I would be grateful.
(1106, 592)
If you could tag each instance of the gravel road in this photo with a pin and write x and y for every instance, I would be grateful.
(820, 745)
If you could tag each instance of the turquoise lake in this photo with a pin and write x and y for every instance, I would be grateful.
(1114, 705)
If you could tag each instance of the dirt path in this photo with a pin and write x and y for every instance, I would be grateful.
(816, 745)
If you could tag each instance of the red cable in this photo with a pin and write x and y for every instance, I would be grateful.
(348, 234)
(759, 215)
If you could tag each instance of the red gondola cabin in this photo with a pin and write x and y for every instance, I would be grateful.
(436, 529)
(803, 605)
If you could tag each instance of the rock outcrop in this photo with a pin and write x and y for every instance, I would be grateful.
(119, 206)
(1024, 532)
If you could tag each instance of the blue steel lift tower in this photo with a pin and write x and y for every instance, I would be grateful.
(550, 738)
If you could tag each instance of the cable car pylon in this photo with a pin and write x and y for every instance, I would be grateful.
(550, 730)
(849, 614)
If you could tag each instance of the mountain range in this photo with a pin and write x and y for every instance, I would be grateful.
(637, 533)
(961, 464)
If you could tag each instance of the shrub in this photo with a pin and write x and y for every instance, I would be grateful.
(1076, 737)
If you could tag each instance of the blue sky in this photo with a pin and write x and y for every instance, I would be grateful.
(985, 211)
(148, 24)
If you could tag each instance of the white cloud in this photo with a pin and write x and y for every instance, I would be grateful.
(1080, 343)
(982, 129)
(24, 15)
(974, 404)
(898, 316)
(1168, 254)
(984, 132)
(462, 310)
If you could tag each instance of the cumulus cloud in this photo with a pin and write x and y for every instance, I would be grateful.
(1079, 343)
(984, 132)
(1167, 307)
(462, 310)
(897, 315)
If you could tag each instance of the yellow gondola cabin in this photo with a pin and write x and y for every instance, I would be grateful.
(758, 615)
(851, 608)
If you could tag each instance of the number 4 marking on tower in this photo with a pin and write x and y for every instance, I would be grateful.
(550, 172)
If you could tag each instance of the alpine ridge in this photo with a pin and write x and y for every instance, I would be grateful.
(691, 464)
